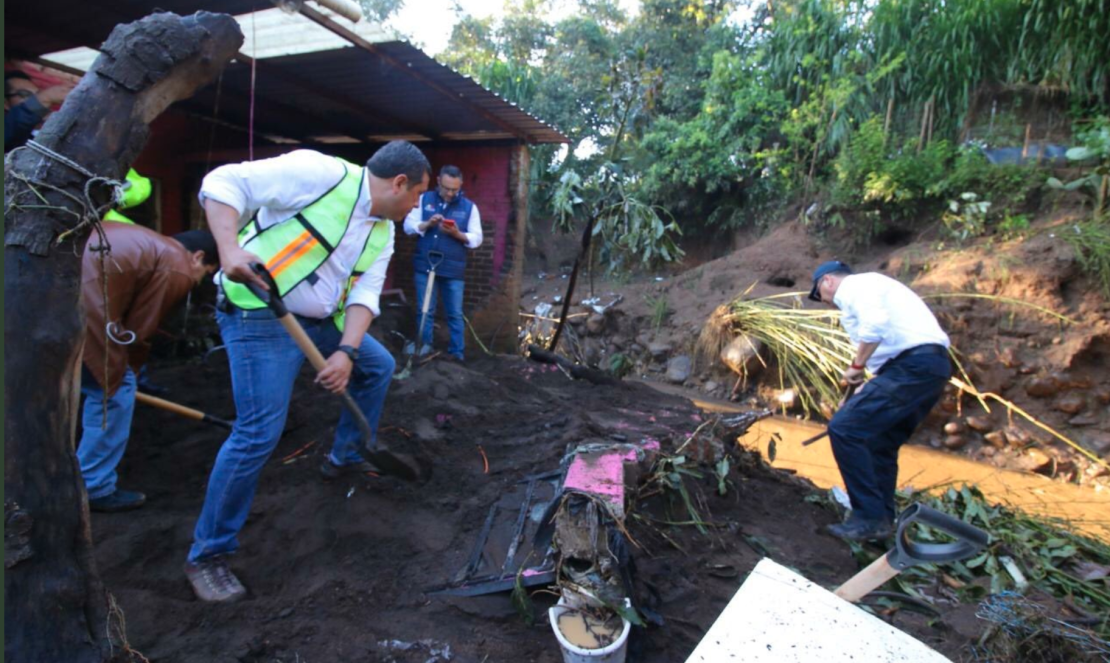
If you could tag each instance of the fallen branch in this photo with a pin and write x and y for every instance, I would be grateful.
(577, 371)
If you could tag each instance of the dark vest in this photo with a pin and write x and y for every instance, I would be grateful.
(453, 265)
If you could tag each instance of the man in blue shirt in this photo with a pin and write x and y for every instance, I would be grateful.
(25, 106)
(449, 225)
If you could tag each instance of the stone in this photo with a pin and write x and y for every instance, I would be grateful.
(595, 324)
(710, 387)
(988, 451)
(996, 438)
(1037, 461)
(980, 359)
(1017, 436)
(1008, 358)
(742, 355)
(678, 369)
(1089, 419)
(1043, 387)
(658, 349)
(1071, 403)
(980, 424)
(1098, 442)
(954, 442)
(953, 427)
(1103, 395)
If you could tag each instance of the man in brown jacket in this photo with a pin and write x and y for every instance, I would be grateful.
(147, 275)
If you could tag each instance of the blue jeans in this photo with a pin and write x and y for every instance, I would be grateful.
(868, 431)
(450, 294)
(100, 450)
(264, 364)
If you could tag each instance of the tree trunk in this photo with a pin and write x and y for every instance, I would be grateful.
(56, 608)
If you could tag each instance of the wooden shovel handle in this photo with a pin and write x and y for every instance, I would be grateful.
(303, 341)
(865, 582)
(169, 406)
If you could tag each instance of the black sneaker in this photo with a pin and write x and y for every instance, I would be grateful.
(859, 529)
(121, 500)
(213, 581)
(330, 471)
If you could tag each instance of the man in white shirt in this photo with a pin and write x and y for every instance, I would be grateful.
(901, 343)
(449, 226)
(323, 227)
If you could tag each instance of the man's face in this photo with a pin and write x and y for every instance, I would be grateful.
(404, 197)
(826, 287)
(449, 187)
(17, 90)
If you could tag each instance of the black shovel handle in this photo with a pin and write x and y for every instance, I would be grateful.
(907, 552)
(272, 297)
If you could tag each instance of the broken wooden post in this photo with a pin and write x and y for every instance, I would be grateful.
(56, 608)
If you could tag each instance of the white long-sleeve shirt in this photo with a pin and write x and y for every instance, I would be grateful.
(277, 189)
(473, 226)
(878, 309)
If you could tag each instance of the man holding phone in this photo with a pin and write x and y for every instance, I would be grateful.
(449, 225)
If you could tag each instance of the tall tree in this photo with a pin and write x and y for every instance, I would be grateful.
(56, 608)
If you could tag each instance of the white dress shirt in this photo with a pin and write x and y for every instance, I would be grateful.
(473, 226)
(277, 189)
(878, 309)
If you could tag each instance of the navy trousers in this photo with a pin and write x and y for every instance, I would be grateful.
(868, 431)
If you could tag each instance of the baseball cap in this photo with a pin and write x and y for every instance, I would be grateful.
(824, 269)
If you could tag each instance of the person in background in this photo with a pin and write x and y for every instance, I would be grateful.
(900, 342)
(449, 226)
(25, 106)
(147, 275)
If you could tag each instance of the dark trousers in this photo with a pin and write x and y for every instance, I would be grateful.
(868, 431)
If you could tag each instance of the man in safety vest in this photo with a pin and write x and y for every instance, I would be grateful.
(449, 225)
(323, 228)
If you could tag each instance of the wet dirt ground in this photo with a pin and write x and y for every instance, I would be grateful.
(340, 571)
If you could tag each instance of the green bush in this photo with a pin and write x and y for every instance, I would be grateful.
(1008, 186)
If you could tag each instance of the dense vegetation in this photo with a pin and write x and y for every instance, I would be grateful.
(714, 112)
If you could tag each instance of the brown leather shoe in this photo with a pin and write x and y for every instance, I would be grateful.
(213, 581)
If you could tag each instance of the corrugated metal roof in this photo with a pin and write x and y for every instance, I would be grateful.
(389, 90)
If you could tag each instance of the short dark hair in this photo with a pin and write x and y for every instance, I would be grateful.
(200, 240)
(15, 73)
(400, 157)
(450, 171)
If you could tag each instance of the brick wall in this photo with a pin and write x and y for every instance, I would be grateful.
(493, 270)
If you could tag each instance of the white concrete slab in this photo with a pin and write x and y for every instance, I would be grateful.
(779, 616)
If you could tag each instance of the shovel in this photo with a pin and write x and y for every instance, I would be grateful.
(434, 260)
(778, 616)
(388, 462)
(188, 412)
(907, 552)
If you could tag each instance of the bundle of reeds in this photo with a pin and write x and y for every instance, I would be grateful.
(809, 347)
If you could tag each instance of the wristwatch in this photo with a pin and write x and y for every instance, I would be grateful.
(350, 351)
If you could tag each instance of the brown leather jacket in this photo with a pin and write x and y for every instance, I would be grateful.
(148, 274)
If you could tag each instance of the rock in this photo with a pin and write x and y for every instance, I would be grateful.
(577, 321)
(1098, 442)
(1017, 436)
(595, 324)
(988, 451)
(1103, 395)
(1008, 358)
(954, 442)
(710, 387)
(658, 349)
(1042, 387)
(980, 424)
(948, 404)
(1071, 403)
(742, 355)
(678, 369)
(980, 359)
(1089, 419)
(996, 438)
(953, 427)
(1037, 461)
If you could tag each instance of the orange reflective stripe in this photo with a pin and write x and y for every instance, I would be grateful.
(276, 263)
(288, 262)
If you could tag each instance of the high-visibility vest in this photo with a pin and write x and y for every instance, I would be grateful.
(294, 249)
(136, 193)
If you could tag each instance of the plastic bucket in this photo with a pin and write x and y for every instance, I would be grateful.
(613, 653)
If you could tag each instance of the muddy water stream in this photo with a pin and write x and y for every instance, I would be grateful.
(587, 631)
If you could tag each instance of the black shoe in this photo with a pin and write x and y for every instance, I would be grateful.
(859, 529)
(121, 500)
(330, 471)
